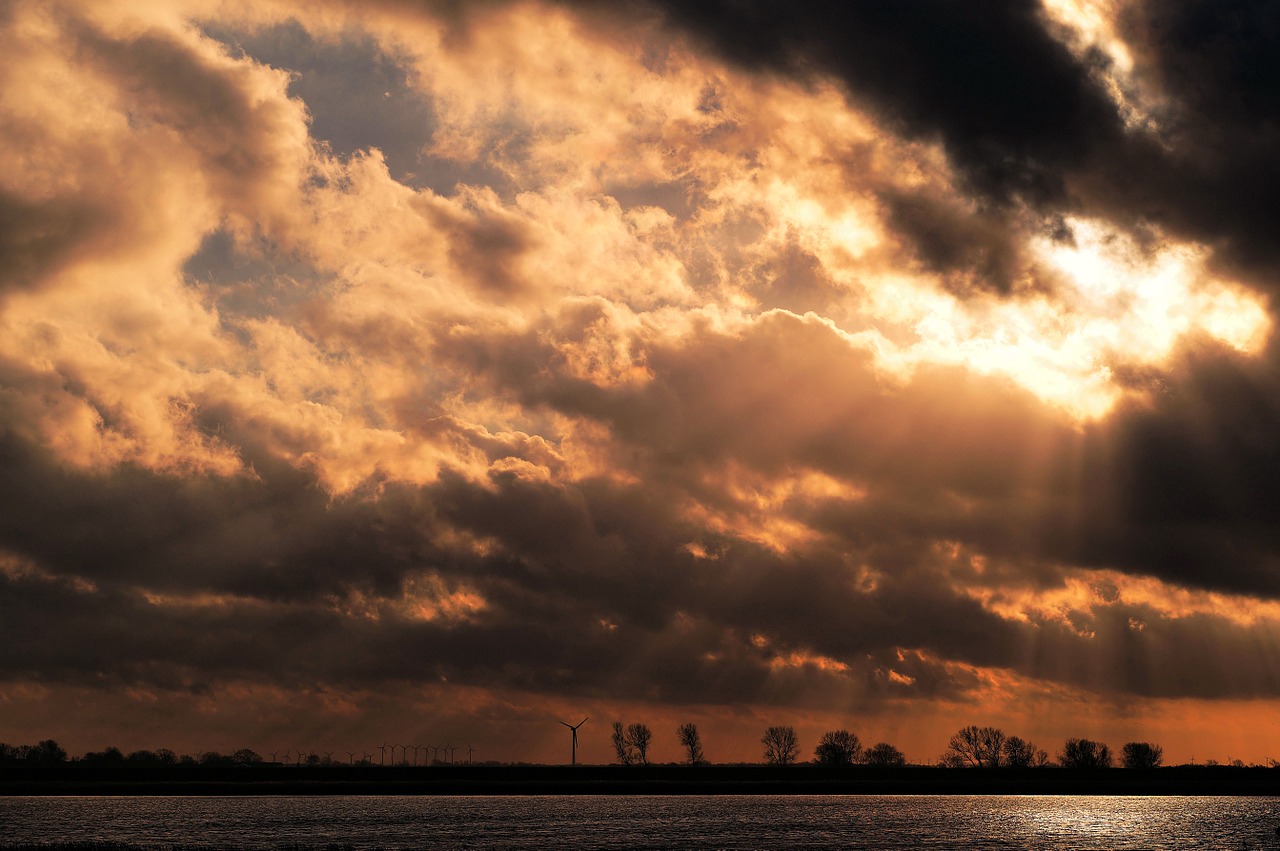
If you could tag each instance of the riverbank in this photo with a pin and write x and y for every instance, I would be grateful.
(90, 779)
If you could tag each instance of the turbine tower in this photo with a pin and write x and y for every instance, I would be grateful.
(573, 760)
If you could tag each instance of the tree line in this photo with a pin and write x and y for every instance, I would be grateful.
(970, 747)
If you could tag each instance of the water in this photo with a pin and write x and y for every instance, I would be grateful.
(880, 822)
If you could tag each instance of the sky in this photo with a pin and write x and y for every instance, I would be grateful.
(433, 371)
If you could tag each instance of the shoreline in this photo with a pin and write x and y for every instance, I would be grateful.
(262, 780)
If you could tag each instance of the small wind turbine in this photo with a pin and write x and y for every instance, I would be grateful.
(470, 751)
(383, 747)
(451, 751)
(273, 755)
(424, 749)
(286, 757)
(574, 755)
(352, 754)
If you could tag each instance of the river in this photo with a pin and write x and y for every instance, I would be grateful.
(880, 822)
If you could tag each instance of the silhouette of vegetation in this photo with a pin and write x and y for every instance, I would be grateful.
(620, 747)
(838, 747)
(47, 751)
(244, 756)
(980, 747)
(883, 754)
(691, 741)
(1019, 753)
(639, 736)
(631, 745)
(164, 756)
(1142, 755)
(1084, 753)
(109, 755)
(781, 747)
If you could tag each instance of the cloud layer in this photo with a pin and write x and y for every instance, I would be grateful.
(705, 358)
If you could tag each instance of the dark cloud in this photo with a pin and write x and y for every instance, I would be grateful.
(1012, 105)
(1184, 488)
(1218, 63)
(38, 237)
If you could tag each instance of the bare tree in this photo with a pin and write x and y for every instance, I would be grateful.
(691, 741)
(1084, 753)
(638, 737)
(1142, 755)
(838, 747)
(980, 747)
(883, 754)
(1019, 753)
(621, 747)
(781, 747)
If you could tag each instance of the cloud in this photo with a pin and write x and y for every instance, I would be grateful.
(612, 360)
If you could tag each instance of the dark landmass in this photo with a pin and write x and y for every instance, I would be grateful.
(75, 778)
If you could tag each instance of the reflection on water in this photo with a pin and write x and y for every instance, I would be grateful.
(883, 822)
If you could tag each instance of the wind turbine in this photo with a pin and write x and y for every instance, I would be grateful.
(273, 755)
(383, 747)
(574, 757)
(470, 751)
(424, 749)
(415, 754)
(451, 751)
(352, 754)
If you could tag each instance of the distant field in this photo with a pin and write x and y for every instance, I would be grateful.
(83, 779)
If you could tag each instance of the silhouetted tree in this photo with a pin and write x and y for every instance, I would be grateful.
(638, 738)
(1019, 753)
(46, 751)
(166, 757)
(621, 746)
(980, 747)
(780, 745)
(1084, 753)
(244, 756)
(1142, 755)
(143, 757)
(107, 755)
(838, 747)
(691, 741)
(883, 754)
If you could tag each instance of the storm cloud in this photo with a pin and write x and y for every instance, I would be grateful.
(472, 361)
